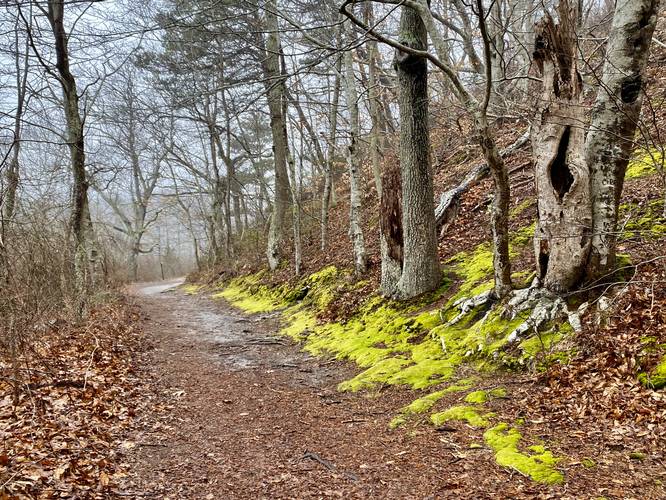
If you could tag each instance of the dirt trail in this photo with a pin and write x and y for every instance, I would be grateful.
(237, 412)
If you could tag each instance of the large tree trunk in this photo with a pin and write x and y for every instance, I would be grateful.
(562, 239)
(355, 179)
(420, 270)
(75, 142)
(614, 118)
(275, 89)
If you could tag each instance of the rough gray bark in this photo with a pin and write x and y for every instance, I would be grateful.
(499, 215)
(274, 83)
(614, 117)
(354, 162)
(497, 53)
(418, 51)
(563, 232)
(420, 269)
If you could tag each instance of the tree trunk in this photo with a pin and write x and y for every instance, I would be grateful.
(75, 142)
(391, 244)
(355, 179)
(8, 198)
(420, 270)
(499, 218)
(497, 54)
(275, 89)
(328, 169)
(133, 257)
(562, 239)
(295, 206)
(614, 117)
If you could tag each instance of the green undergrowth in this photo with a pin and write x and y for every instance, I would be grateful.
(399, 343)
(470, 414)
(536, 462)
(655, 378)
(413, 343)
(644, 162)
(425, 403)
(190, 289)
(644, 221)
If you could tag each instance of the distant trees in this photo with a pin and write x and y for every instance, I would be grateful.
(136, 141)
(244, 121)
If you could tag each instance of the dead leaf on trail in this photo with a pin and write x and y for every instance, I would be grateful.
(103, 479)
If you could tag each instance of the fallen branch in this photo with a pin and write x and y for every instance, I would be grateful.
(329, 465)
(449, 201)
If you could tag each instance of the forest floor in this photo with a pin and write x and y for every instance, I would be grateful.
(234, 411)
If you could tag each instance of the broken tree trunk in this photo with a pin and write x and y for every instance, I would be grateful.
(563, 232)
(391, 231)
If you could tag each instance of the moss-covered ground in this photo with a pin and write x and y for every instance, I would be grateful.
(535, 462)
(644, 162)
(413, 344)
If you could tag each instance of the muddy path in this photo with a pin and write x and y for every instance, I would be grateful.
(234, 411)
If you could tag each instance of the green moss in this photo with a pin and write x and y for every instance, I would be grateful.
(425, 403)
(589, 463)
(468, 414)
(655, 378)
(644, 162)
(396, 343)
(499, 392)
(190, 289)
(540, 344)
(477, 397)
(250, 295)
(249, 302)
(299, 323)
(473, 267)
(480, 397)
(521, 207)
(539, 464)
(645, 221)
(379, 373)
(522, 237)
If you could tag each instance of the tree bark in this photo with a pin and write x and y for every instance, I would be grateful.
(354, 162)
(391, 240)
(610, 140)
(274, 83)
(562, 238)
(328, 170)
(420, 269)
(75, 142)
